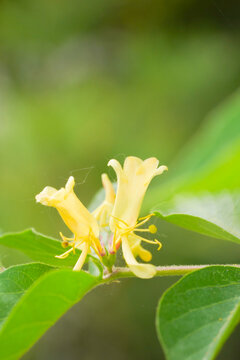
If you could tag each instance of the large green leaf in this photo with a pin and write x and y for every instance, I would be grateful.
(39, 305)
(39, 248)
(215, 145)
(213, 215)
(201, 192)
(198, 313)
(14, 282)
(219, 131)
(210, 161)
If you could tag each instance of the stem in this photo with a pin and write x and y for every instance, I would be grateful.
(172, 270)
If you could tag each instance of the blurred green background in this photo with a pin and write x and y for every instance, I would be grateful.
(84, 82)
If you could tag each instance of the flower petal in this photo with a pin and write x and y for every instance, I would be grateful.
(133, 181)
(104, 210)
(116, 166)
(75, 215)
(144, 271)
(109, 190)
(137, 249)
(161, 169)
(46, 196)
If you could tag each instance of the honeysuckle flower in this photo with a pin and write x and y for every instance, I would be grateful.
(79, 220)
(104, 210)
(132, 182)
(102, 215)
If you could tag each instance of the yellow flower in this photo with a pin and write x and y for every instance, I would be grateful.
(103, 211)
(78, 219)
(133, 180)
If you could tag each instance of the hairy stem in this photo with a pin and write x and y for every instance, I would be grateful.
(172, 270)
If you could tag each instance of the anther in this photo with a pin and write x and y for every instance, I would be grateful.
(152, 228)
(65, 244)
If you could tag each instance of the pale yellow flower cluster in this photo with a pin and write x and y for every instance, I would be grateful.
(117, 214)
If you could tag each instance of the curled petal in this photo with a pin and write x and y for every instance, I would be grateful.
(64, 255)
(144, 254)
(103, 212)
(161, 169)
(144, 271)
(109, 190)
(70, 184)
(137, 249)
(116, 166)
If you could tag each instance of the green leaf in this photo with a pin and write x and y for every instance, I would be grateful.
(14, 282)
(212, 215)
(201, 191)
(40, 248)
(210, 161)
(220, 130)
(41, 305)
(197, 314)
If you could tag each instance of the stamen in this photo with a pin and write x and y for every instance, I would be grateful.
(122, 221)
(99, 249)
(152, 228)
(64, 238)
(64, 255)
(96, 244)
(104, 225)
(120, 232)
(114, 241)
(118, 243)
(143, 220)
(68, 241)
(65, 244)
(146, 217)
(142, 230)
(155, 241)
